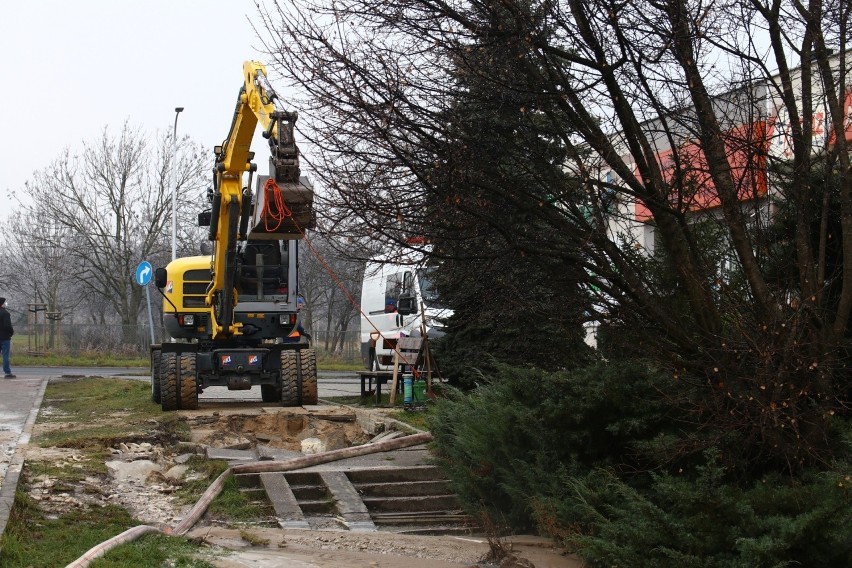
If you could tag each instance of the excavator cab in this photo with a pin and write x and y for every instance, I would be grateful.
(263, 269)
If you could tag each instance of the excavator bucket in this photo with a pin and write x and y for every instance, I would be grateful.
(282, 211)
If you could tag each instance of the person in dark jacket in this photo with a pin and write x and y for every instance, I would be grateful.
(6, 333)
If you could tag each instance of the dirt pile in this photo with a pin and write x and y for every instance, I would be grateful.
(142, 477)
(284, 428)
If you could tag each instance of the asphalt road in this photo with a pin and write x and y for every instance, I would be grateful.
(329, 383)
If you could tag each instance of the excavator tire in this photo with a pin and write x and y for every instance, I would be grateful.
(270, 393)
(308, 364)
(156, 355)
(290, 390)
(188, 382)
(169, 381)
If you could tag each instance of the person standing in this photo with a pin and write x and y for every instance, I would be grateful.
(6, 333)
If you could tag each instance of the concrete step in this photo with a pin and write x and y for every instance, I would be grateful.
(421, 518)
(302, 477)
(287, 510)
(415, 500)
(394, 474)
(414, 503)
(403, 488)
(247, 480)
(321, 507)
(309, 492)
(253, 493)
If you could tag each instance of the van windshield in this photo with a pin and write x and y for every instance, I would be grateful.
(427, 290)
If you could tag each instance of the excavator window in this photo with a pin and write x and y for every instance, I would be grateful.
(264, 262)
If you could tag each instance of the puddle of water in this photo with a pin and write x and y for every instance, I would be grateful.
(6, 416)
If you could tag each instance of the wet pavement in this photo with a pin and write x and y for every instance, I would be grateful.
(20, 400)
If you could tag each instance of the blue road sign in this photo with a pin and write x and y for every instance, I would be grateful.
(143, 273)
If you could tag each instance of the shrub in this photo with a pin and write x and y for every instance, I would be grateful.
(585, 456)
(699, 520)
(521, 425)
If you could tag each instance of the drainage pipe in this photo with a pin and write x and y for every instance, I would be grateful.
(99, 550)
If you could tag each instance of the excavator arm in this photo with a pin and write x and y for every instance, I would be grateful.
(231, 209)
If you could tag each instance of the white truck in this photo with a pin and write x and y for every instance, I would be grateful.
(397, 300)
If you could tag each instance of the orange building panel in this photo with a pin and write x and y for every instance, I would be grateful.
(692, 188)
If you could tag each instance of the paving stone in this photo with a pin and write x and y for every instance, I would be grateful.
(286, 507)
(349, 504)
(20, 400)
(231, 455)
(276, 454)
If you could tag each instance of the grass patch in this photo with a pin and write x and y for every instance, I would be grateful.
(97, 359)
(403, 415)
(333, 365)
(234, 506)
(154, 551)
(92, 397)
(31, 539)
(65, 472)
(21, 358)
(206, 472)
(97, 413)
(231, 505)
(91, 415)
(416, 419)
(368, 401)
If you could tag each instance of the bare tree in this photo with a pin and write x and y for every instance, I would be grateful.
(331, 285)
(688, 125)
(104, 210)
(38, 264)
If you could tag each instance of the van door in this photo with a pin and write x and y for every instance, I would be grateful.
(381, 321)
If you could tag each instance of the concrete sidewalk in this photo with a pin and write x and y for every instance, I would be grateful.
(20, 400)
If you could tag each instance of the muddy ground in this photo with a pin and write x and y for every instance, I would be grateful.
(143, 478)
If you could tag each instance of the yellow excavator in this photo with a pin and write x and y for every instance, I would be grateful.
(233, 315)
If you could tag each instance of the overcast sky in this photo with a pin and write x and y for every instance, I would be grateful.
(71, 68)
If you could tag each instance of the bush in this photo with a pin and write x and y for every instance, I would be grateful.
(521, 425)
(582, 456)
(698, 520)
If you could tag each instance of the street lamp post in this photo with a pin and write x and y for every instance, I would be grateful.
(172, 169)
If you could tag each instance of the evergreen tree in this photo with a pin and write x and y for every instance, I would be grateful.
(500, 166)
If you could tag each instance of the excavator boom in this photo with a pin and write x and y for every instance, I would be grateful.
(231, 215)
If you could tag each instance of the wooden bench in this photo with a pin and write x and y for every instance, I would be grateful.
(409, 356)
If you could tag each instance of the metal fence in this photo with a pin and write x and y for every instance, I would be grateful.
(64, 338)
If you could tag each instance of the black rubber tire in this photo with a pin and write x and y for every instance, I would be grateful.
(188, 382)
(270, 393)
(169, 381)
(308, 365)
(290, 379)
(156, 356)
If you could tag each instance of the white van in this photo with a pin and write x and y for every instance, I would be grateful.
(397, 298)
